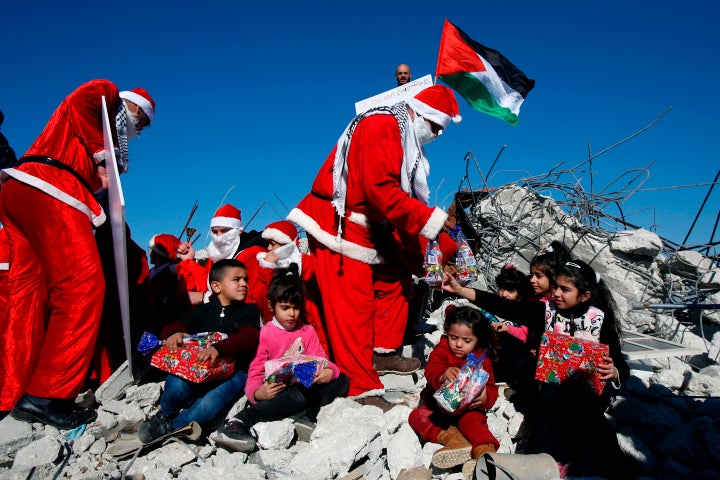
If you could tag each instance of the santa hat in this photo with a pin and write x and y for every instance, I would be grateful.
(227, 216)
(141, 98)
(165, 245)
(283, 232)
(437, 104)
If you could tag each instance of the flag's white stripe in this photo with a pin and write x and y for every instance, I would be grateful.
(503, 93)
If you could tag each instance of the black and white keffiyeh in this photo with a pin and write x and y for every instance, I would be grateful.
(121, 154)
(415, 167)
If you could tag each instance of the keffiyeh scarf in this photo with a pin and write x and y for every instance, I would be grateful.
(415, 167)
(121, 154)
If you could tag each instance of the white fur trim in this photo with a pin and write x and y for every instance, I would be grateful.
(359, 219)
(262, 262)
(276, 235)
(384, 350)
(227, 222)
(141, 102)
(56, 193)
(429, 113)
(434, 224)
(370, 393)
(343, 247)
(4, 266)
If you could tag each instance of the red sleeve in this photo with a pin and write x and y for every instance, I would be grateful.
(376, 151)
(249, 258)
(437, 363)
(193, 275)
(84, 112)
(262, 283)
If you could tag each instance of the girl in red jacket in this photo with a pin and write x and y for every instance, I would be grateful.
(464, 434)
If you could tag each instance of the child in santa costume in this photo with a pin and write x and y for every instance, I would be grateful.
(376, 174)
(282, 240)
(48, 208)
(174, 279)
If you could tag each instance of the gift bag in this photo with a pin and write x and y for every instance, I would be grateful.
(562, 358)
(458, 394)
(467, 270)
(294, 366)
(184, 363)
(433, 264)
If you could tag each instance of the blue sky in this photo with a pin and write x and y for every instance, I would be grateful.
(251, 96)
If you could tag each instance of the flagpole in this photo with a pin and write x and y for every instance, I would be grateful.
(442, 40)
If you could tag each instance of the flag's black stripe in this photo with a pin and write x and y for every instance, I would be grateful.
(512, 75)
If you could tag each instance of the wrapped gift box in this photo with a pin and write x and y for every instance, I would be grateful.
(562, 357)
(183, 362)
(457, 394)
(294, 368)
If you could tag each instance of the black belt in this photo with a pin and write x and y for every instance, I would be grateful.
(57, 164)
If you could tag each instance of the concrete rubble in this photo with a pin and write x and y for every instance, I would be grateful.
(667, 415)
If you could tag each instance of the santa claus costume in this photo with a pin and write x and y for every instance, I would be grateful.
(4, 267)
(285, 234)
(237, 244)
(375, 174)
(48, 208)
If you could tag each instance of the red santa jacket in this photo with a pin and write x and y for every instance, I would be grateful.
(374, 195)
(73, 134)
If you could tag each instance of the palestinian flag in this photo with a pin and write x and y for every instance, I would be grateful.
(483, 76)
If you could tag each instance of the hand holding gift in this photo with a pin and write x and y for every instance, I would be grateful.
(294, 366)
(461, 392)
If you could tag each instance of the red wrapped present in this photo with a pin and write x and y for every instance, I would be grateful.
(562, 358)
(183, 362)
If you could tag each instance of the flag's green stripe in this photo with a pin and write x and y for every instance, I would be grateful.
(479, 98)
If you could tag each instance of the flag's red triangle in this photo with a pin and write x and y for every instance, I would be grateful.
(455, 55)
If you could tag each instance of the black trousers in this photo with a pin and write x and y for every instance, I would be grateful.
(295, 399)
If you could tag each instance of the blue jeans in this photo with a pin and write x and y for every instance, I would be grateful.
(185, 401)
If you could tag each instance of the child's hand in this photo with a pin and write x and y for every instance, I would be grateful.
(175, 340)
(323, 376)
(607, 370)
(210, 353)
(268, 390)
(479, 402)
(500, 327)
(450, 283)
(450, 374)
(185, 251)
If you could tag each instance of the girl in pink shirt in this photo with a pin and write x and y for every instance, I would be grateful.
(286, 334)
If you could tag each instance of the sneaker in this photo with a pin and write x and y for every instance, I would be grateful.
(158, 426)
(234, 435)
(395, 363)
(376, 401)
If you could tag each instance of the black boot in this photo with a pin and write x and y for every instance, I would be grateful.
(63, 414)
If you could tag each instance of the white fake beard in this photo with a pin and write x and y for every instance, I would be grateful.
(131, 125)
(288, 254)
(423, 133)
(223, 246)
